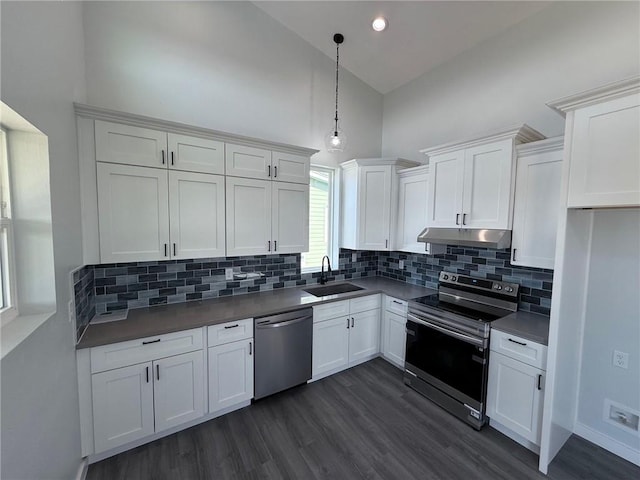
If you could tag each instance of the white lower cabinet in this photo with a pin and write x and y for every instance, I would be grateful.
(346, 340)
(515, 394)
(230, 374)
(132, 402)
(393, 335)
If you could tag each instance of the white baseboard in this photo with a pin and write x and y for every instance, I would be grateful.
(83, 468)
(610, 444)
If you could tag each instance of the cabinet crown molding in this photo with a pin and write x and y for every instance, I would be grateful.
(600, 94)
(362, 162)
(520, 134)
(413, 171)
(541, 146)
(99, 113)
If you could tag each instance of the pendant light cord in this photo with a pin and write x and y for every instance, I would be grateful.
(337, 63)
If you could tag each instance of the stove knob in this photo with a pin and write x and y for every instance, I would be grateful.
(453, 279)
(497, 287)
(508, 289)
(445, 277)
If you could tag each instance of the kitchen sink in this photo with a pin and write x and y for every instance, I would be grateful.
(332, 289)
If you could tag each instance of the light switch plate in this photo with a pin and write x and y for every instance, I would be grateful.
(401, 264)
(228, 273)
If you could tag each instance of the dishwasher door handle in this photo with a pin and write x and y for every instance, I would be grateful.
(285, 323)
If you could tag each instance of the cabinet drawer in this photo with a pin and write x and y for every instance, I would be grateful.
(518, 348)
(122, 354)
(330, 310)
(229, 332)
(362, 304)
(395, 305)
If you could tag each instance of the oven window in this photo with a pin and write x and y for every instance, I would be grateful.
(452, 361)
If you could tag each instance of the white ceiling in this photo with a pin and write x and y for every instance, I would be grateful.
(420, 35)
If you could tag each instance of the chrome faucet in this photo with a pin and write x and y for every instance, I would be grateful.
(324, 279)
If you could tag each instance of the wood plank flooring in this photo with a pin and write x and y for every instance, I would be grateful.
(363, 423)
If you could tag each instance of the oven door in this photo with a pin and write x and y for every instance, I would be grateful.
(453, 362)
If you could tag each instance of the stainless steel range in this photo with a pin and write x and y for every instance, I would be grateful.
(447, 358)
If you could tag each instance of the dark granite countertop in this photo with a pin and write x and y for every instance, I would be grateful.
(531, 326)
(157, 320)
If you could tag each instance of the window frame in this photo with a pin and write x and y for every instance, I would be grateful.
(9, 306)
(334, 218)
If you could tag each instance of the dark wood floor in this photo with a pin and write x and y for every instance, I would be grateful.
(361, 423)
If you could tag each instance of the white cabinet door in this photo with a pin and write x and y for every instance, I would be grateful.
(133, 211)
(230, 374)
(364, 336)
(247, 162)
(197, 215)
(117, 143)
(290, 217)
(605, 148)
(195, 154)
(487, 186)
(248, 216)
(330, 346)
(446, 178)
(374, 207)
(536, 210)
(394, 338)
(122, 405)
(178, 395)
(290, 168)
(514, 396)
(412, 212)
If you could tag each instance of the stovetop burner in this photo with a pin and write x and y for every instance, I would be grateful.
(434, 302)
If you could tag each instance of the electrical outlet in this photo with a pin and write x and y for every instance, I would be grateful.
(228, 273)
(354, 257)
(620, 359)
(621, 416)
(401, 264)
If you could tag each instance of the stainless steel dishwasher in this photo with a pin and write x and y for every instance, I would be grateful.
(283, 345)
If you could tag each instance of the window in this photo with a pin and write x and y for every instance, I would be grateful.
(7, 290)
(322, 220)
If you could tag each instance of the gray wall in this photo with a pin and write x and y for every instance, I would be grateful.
(42, 73)
(566, 48)
(226, 66)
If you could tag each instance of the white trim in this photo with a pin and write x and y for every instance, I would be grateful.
(600, 94)
(83, 469)
(413, 171)
(541, 146)
(610, 444)
(15, 332)
(398, 162)
(528, 444)
(98, 113)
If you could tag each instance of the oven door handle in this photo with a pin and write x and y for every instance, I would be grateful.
(451, 333)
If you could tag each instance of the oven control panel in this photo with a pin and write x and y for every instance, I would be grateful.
(481, 284)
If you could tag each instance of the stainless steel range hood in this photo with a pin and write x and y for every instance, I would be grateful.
(498, 239)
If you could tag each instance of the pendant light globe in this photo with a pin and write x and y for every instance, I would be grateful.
(336, 140)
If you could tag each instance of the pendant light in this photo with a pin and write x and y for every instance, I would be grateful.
(336, 140)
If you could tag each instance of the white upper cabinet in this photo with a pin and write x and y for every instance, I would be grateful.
(603, 145)
(133, 211)
(537, 203)
(251, 162)
(145, 147)
(290, 217)
(471, 183)
(413, 197)
(248, 216)
(369, 203)
(194, 154)
(118, 143)
(197, 215)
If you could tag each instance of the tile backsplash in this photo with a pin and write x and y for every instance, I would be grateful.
(109, 287)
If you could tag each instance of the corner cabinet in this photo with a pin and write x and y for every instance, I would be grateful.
(413, 197)
(156, 190)
(369, 203)
(603, 145)
(537, 203)
(471, 183)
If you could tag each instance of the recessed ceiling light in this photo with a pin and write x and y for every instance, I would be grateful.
(379, 24)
